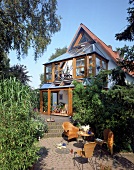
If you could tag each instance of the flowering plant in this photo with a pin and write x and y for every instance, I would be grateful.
(85, 128)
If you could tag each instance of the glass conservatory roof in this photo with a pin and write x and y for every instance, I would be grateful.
(87, 49)
(52, 86)
(47, 85)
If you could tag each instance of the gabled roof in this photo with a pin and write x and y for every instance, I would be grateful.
(92, 44)
(113, 54)
(106, 48)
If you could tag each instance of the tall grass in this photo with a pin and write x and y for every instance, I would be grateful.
(17, 129)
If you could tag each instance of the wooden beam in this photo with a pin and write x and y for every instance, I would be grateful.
(49, 102)
(57, 90)
(78, 39)
(94, 64)
(70, 110)
(53, 72)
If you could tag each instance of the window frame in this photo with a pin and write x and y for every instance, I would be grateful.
(81, 67)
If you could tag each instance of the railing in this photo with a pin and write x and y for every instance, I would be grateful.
(61, 75)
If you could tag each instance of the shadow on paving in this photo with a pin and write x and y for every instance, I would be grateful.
(117, 160)
(43, 152)
(103, 158)
(121, 161)
(79, 144)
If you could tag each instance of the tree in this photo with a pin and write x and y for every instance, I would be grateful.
(118, 76)
(27, 23)
(4, 65)
(41, 79)
(126, 60)
(58, 52)
(20, 72)
(128, 33)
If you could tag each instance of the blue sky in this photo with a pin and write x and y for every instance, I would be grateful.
(104, 18)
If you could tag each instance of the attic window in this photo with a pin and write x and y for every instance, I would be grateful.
(85, 38)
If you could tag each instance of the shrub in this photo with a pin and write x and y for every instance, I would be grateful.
(102, 109)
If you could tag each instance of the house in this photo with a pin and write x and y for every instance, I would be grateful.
(85, 56)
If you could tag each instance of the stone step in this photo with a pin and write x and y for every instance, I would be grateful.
(48, 135)
(55, 130)
(55, 127)
(54, 123)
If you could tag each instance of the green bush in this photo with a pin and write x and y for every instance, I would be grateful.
(19, 128)
(102, 109)
(40, 126)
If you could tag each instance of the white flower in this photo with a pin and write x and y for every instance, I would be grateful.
(85, 128)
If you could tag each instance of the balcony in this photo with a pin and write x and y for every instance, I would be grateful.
(64, 78)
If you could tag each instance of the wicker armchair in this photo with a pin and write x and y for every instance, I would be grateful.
(108, 139)
(86, 152)
(70, 130)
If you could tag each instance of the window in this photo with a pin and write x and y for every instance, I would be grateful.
(48, 69)
(80, 67)
(80, 62)
(86, 38)
(100, 65)
(80, 72)
(48, 72)
(103, 65)
(48, 76)
(56, 70)
(90, 67)
(90, 59)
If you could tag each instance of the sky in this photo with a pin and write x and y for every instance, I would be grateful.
(104, 18)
